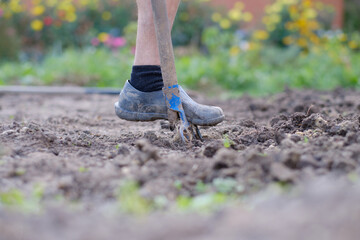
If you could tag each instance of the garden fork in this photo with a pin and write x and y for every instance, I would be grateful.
(171, 87)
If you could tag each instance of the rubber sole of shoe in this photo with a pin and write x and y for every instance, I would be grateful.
(145, 117)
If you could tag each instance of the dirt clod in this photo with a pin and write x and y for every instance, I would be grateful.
(211, 148)
(146, 151)
(282, 173)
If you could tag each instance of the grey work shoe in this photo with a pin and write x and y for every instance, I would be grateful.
(134, 105)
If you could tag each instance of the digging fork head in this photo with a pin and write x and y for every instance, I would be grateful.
(173, 102)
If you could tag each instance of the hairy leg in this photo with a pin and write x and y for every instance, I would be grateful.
(147, 52)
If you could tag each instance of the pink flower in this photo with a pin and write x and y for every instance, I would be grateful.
(118, 42)
(115, 42)
(1, 12)
(95, 42)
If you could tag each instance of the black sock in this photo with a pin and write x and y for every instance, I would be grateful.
(147, 78)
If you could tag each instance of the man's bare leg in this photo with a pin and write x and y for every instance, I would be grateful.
(147, 52)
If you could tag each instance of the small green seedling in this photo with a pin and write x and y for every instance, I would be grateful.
(12, 198)
(227, 141)
(208, 202)
(83, 169)
(131, 201)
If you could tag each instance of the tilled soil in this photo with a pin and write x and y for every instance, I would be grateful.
(77, 149)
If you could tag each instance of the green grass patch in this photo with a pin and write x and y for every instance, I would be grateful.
(88, 67)
(16, 200)
(262, 72)
(209, 198)
(202, 203)
(130, 200)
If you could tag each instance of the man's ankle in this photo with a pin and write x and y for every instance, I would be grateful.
(147, 78)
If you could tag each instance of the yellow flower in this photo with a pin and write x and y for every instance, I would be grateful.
(15, 6)
(225, 23)
(106, 15)
(306, 3)
(353, 44)
(71, 17)
(38, 10)
(315, 39)
(310, 13)
(235, 50)
(37, 25)
(103, 37)
(301, 23)
(302, 42)
(261, 35)
(288, 40)
(235, 14)
(343, 37)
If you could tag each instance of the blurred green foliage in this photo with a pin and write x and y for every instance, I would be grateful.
(261, 72)
(17, 200)
(270, 69)
(352, 16)
(131, 201)
(88, 67)
(219, 56)
(196, 13)
(9, 42)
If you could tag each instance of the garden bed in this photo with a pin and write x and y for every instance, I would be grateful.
(77, 168)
